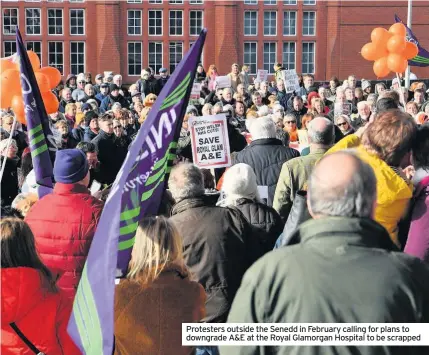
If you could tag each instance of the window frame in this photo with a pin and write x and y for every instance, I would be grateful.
(39, 54)
(169, 55)
(287, 3)
(286, 63)
(134, 21)
(313, 3)
(149, 19)
(77, 26)
(251, 2)
(275, 27)
(256, 56)
(244, 23)
(134, 53)
(270, 2)
(271, 65)
(12, 31)
(32, 18)
(78, 64)
(314, 24)
(12, 44)
(314, 56)
(202, 22)
(289, 21)
(175, 26)
(55, 18)
(155, 64)
(55, 65)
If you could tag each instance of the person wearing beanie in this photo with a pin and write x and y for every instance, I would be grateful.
(91, 126)
(265, 155)
(78, 94)
(366, 87)
(240, 190)
(64, 222)
(112, 98)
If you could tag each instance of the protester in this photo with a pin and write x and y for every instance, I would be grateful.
(67, 141)
(104, 92)
(66, 98)
(212, 74)
(31, 302)
(340, 248)
(343, 123)
(298, 110)
(71, 82)
(290, 126)
(146, 86)
(91, 154)
(235, 76)
(92, 128)
(200, 75)
(70, 114)
(362, 117)
(117, 79)
(64, 222)
(18, 136)
(78, 94)
(9, 181)
(114, 97)
(163, 78)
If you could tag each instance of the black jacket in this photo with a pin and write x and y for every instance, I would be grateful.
(68, 142)
(214, 244)
(161, 83)
(9, 182)
(78, 133)
(147, 87)
(266, 157)
(89, 135)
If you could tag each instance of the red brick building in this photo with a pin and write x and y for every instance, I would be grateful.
(312, 36)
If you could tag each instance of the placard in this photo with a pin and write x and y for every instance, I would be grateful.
(342, 109)
(262, 75)
(210, 142)
(303, 137)
(291, 80)
(223, 82)
(195, 92)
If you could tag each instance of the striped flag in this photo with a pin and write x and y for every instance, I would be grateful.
(136, 192)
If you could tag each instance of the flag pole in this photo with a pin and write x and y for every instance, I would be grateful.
(409, 21)
(9, 142)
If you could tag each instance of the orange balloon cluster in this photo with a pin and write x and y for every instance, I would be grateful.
(389, 50)
(10, 85)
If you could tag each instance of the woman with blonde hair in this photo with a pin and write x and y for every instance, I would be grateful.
(318, 107)
(157, 295)
(70, 114)
(32, 305)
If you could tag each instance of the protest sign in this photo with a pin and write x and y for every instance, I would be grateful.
(223, 82)
(210, 143)
(262, 75)
(291, 80)
(195, 93)
(342, 109)
(303, 137)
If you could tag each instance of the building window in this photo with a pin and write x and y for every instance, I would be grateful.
(195, 22)
(250, 23)
(36, 47)
(270, 23)
(77, 22)
(309, 2)
(309, 23)
(176, 22)
(55, 21)
(176, 54)
(32, 22)
(134, 58)
(9, 48)
(10, 21)
(134, 22)
(270, 2)
(134, 1)
(56, 56)
(77, 57)
(289, 2)
(155, 56)
(55, 0)
(250, 56)
(250, 2)
(308, 51)
(76, 0)
(175, 2)
(289, 53)
(196, 2)
(270, 55)
(289, 23)
(155, 22)
(155, 1)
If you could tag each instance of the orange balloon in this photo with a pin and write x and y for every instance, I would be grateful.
(380, 68)
(50, 101)
(5, 95)
(411, 50)
(396, 44)
(397, 63)
(371, 51)
(34, 60)
(380, 36)
(53, 74)
(398, 29)
(17, 106)
(11, 79)
(42, 81)
(6, 64)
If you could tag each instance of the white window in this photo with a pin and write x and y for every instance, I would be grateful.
(175, 2)
(134, 22)
(250, 2)
(33, 0)
(309, 23)
(176, 54)
(36, 47)
(10, 21)
(77, 22)
(176, 22)
(55, 0)
(195, 22)
(77, 57)
(270, 2)
(33, 22)
(155, 1)
(56, 55)
(155, 22)
(251, 56)
(9, 48)
(55, 21)
(135, 56)
(270, 55)
(196, 2)
(134, 1)
(155, 56)
(77, 0)
(289, 2)
(250, 23)
(309, 2)
(270, 23)
(289, 55)
(308, 55)
(289, 23)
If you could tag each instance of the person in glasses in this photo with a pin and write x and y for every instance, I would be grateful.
(290, 127)
(78, 94)
(343, 123)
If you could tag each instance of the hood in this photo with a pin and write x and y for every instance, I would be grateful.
(21, 291)
(70, 76)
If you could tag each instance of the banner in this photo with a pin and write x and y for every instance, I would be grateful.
(223, 82)
(291, 80)
(210, 141)
(262, 75)
(136, 192)
(195, 92)
(422, 58)
(41, 141)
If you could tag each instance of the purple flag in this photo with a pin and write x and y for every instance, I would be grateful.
(42, 144)
(422, 58)
(136, 192)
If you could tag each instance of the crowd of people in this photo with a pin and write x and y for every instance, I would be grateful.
(334, 177)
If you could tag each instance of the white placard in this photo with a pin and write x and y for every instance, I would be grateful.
(291, 80)
(263, 191)
(195, 93)
(262, 75)
(210, 142)
(223, 82)
(342, 109)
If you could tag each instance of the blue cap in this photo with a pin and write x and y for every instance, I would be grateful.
(163, 70)
(70, 166)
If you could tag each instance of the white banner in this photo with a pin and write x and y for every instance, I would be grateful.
(291, 80)
(262, 75)
(210, 141)
(195, 92)
(223, 82)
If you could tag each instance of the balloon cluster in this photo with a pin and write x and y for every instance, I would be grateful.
(10, 85)
(389, 50)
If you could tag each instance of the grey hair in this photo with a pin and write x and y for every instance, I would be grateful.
(262, 128)
(219, 104)
(186, 181)
(324, 136)
(116, 105)
(363, 103)
(353, 199)
(344, 117)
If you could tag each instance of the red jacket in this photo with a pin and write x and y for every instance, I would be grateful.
(63, 224)
(41, 316)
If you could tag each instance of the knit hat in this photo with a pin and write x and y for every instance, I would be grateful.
(310, 96)
(89, 116)
(86, 106)
(70, 166)
(192, 109)
(113, 87)
(365, 84)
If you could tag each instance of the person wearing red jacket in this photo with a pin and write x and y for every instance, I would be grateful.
(64, 222)
(32, 306)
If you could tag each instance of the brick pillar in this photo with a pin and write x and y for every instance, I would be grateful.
(108, 34)
(333, 19)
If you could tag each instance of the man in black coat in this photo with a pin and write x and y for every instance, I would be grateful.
(147, 84)
(162, 79)
(266, 155)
